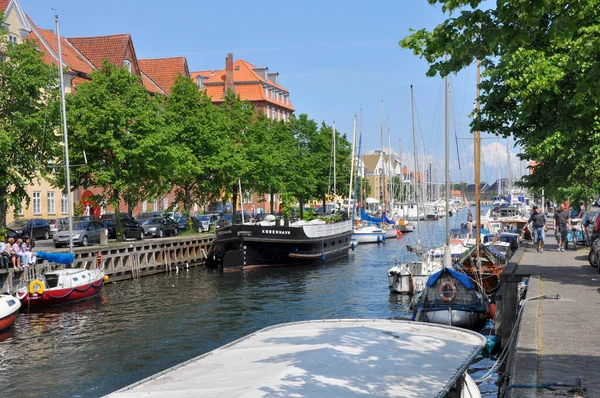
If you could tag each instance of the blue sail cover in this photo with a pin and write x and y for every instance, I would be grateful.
(387, 220)
(365, 217)
(462, 278)
(58, 258)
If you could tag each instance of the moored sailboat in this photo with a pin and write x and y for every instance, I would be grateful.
(9, 308)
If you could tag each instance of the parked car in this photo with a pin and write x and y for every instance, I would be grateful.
(591, 225)
(57, 224)
(83, 234)
(159, 226)
(214, 218)
(219, 208)
(36, 228)
(226, 219)
(148, 214)
(203, 223)
(109, 220)
(182, 224)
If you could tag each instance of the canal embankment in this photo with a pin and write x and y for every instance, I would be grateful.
(555, 347)
(124, 260)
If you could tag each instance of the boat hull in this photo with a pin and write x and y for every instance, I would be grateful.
(369, 237)
(245, 247)
(52, 297)
(9, 311)
(469, 319)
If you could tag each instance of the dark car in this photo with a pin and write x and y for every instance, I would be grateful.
(148, 214)
(226, 219)
(83, 233)
(197, 224)
(219, 208)
(36, 228)
(131, 229)
(159, 226)
(591, 225)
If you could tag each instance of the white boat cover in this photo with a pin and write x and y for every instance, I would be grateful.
(329, 358)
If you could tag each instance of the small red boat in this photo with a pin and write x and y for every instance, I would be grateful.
(9, 308)
(61, 287)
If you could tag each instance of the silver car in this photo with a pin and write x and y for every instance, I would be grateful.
(84, 233)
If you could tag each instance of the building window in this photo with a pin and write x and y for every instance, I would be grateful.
(37, 202)
(268, 111)
(266, 92)
(165, 203)
(127, 65)
(200, 82)
(12, 39)
(51, 209)
(247, 197)
(64, 206)
(145, 205)
(195, 207)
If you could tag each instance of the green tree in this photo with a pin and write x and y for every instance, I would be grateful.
(28, 120)
(235, 165)
(541, 82)
(302, 178)
(118, 138)
(197, 140)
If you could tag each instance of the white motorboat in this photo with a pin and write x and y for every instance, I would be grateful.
(410, 278)
(328, 358)
(9, 308)
(369, 234)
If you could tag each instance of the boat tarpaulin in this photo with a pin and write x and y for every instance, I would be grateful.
(58, 258)
(462, 278)
(365, 217)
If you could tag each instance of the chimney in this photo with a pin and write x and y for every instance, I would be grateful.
(229, 74)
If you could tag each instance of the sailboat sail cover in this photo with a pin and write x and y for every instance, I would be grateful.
(365, 217)
(58, 258)
(462, 278)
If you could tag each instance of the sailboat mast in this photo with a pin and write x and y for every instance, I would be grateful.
(412, 108)
(447, 161)
(334, 171)
(350, 205)
(477, 161)
(63, 109)
(382, 185)
(391, 176)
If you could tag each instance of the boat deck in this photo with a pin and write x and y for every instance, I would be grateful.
(328, 358)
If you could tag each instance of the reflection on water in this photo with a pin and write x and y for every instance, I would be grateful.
(139, 327)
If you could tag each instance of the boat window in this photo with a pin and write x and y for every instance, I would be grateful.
(11, 302)
(51, 281)
(75, 279)
(325, 245)
(82, 276)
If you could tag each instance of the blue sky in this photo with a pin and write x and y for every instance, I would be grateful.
(333, 56)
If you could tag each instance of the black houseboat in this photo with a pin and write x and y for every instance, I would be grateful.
(243, 246)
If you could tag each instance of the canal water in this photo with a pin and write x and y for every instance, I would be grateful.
(137, 328)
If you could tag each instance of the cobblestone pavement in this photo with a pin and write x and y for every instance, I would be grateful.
(568, 335)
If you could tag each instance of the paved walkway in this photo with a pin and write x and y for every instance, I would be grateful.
(568, 330)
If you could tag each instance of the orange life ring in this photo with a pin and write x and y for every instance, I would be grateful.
(444, 291)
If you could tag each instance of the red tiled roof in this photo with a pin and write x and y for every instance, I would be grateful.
(99, 48)
(47, 42)
(150, 85)
(252, 88)
(4, 5)
(205, 73)
(164, 71)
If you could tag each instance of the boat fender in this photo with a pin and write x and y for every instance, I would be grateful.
(353, 246)
(445, 288)
(106, 278)
(36, 286)
(398, 233)
(382, 237)
(323, 256)
(378, 238)
(492, 311)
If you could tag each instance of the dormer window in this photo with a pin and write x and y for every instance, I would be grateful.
(127, 65)
(200, 82)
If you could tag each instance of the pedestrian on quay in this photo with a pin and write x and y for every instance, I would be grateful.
(538, 223)
(4, 256)
(14, 257)
(562, 224)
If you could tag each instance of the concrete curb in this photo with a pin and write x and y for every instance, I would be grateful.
(525, 348)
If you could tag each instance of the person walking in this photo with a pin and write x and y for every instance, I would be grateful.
(562, 224)
(538, 221)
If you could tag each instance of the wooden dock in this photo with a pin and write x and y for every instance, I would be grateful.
(126, 260)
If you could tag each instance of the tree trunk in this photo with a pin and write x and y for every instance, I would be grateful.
(187, 200)
(324, 205)
(3, 207)
(233, 207)
(301, 209)
(272, 201)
